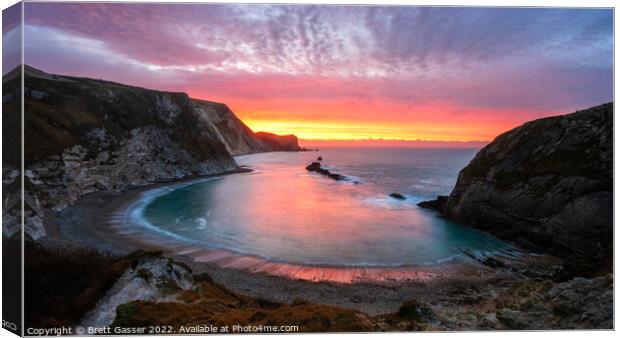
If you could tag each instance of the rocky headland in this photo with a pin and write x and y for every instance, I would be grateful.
(85, 135)
(546, 185)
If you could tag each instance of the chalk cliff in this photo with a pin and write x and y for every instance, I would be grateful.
(237, 137)
(84, 135)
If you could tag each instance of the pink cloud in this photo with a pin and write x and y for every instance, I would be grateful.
(493, 67)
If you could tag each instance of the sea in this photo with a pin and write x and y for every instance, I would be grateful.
(281, 212)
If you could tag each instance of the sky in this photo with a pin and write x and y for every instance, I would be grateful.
(342, 72)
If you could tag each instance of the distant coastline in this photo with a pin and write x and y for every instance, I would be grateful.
(377, 143)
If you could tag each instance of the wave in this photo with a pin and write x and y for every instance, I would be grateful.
(202, 223)
(353, 179)
(386, 201)
(135, 212)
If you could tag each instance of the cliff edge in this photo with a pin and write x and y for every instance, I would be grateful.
(547, 183)
(84, 135)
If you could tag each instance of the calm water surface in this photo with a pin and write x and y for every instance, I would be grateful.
(283, 213)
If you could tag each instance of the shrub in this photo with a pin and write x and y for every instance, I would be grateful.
(62, 285)
(413, 310)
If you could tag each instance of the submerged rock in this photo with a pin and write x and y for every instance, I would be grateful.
(493, 262)
(336, 177)
(397, 196)
(486, 260)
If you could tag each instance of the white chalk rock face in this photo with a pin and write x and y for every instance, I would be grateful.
(156, 279)
(86, 135)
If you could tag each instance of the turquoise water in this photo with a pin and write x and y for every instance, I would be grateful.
(283, 213)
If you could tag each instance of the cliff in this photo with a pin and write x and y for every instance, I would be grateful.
(277, 142)
(238, 138)
(547, 183)
(84, 135)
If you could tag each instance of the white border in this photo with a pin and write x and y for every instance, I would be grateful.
(482, 3)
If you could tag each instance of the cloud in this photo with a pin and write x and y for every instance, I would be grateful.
(331, 40)
(497, 65)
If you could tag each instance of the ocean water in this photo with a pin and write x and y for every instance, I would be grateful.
(283, 213)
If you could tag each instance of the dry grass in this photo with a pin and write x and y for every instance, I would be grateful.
(62, 285)
(214, 305)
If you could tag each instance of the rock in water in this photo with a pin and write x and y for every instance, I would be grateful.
(336, 177)
(319, 158)
(437, 204)
(397, 196)
(548, 182)
(316, 167)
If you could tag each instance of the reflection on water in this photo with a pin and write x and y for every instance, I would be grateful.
(283, 213)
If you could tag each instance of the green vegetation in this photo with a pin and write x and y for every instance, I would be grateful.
(414, 310)
(168, 286)
(145, 274)
(203, 277)
(124, 313)
(63, 284)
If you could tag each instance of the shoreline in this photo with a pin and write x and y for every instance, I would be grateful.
(85, 224)
(118, 221)
(86, 219)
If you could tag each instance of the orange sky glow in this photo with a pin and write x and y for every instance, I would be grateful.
(339, 74)
(373, 121)
(355, 130)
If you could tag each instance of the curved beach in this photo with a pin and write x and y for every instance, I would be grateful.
(96, 221)
(122, 222)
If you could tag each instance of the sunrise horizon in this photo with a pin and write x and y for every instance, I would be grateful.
(339, 73)
(341, 133)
